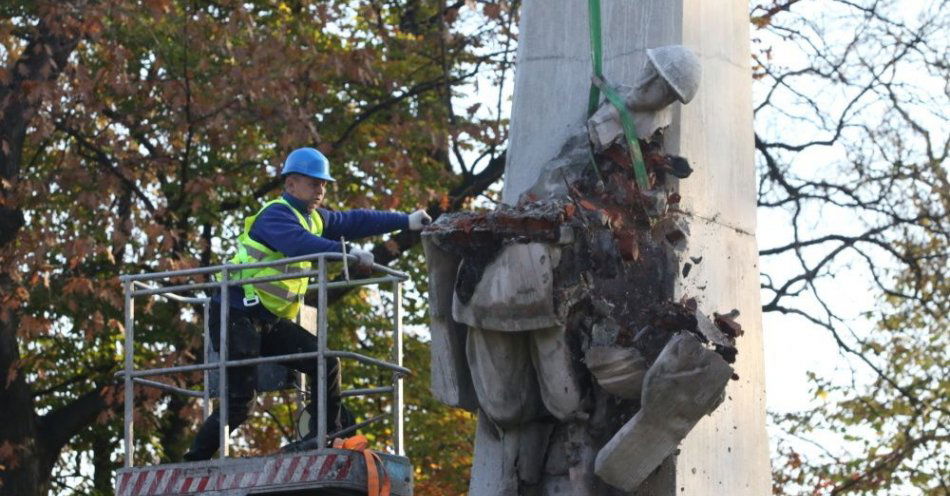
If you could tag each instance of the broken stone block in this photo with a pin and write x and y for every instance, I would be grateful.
(655, 202)
(561, 389)
(570, 166)
(708, 329)
(620, 371)
(451, 380)
(686, 382)
(605, 129)
(672, 230)
(515, 292)
(503, 376)
(605, 332)
(569, 464)
(507, 459)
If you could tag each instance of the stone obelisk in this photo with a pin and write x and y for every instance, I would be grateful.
(727, 452)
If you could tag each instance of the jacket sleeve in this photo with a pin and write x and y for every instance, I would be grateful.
(278, 228)
(357, 224)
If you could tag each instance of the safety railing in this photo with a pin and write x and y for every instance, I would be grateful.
(139, 285)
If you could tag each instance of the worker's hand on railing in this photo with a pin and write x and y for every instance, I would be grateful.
(364, 259)
(418, 220)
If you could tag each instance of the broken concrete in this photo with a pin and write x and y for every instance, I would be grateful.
(620, 371)
(515, 292)
(506, 461)
(561, 389)
(604, 127)
(571, 165)
(670, 73)
(569, 467)
(503, 376)
(451, 380)
(685, 383)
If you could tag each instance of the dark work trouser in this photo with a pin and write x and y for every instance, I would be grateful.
(249, 337)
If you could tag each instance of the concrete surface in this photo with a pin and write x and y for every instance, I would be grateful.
(451, 380)
(506, 458)
(562, 390)
(504, 377)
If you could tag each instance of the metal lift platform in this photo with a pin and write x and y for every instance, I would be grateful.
(316, 472)
(329, 472)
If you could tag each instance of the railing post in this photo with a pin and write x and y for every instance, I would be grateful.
(397, 379)
(206, 333)
(129, 365)
(321, 359)
(225, 431)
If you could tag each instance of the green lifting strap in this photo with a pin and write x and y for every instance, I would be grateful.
(598, 84)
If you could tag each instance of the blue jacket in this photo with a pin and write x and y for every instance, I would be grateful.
(278, 228)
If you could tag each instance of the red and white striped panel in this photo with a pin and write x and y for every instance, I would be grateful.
(278, 470)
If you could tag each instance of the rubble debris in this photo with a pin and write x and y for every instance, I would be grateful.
(686, 382)
(515, 292)
(619, 371)
(672, 229)
(686, 268)
(727, 323)
(569, 464)
(656, 202)
(662, 164)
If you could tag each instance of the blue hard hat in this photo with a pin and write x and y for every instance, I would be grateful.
(309, 162)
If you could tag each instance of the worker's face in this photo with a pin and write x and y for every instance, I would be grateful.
(307, 189)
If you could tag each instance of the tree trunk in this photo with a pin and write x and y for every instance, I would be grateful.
(24, 453)
(19, 463)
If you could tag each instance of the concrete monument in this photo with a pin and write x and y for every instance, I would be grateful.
(562, 317)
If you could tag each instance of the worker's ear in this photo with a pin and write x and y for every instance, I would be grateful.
(290, 181)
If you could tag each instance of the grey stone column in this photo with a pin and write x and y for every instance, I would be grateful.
(726, 453)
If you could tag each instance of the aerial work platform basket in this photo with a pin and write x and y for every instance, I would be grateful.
(318, 471)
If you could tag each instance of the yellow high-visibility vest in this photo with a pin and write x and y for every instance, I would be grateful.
(282, 298)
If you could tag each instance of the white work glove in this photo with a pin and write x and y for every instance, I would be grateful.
(364, 259)
(418, 220)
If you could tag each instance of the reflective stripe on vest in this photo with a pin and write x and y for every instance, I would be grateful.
(283, 297)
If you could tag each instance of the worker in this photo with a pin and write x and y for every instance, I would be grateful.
(261, 315)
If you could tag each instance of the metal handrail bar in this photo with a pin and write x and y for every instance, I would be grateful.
(366, 391)
(362, 282)
(200, 394)
(266, 359)
(153, 290)
(354, 427)
(172, 296)
(336, 257)
(168, 387)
